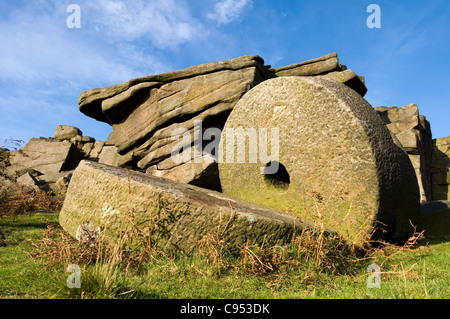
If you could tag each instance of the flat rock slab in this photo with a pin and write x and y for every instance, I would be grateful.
(337, 160)
(178, 215)
(47, 156)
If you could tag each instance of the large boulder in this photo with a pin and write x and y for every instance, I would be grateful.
(66, 132)
(337, 162)
(178, 216)
(145, 112)
(50, 157)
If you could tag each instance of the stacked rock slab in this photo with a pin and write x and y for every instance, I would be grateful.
(44, 159)
(48, 163)
(145, 112)
(177, 216)
(337, 162)
(440, 170)
(327, 66)
(414, 134)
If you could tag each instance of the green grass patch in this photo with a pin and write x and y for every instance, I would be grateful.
(34, 265)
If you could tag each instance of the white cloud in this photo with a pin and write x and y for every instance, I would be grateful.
(226, 11)
(40, 48)
(165, 23)
(44, 65)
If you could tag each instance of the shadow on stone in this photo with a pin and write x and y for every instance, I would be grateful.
(435, 220)
(440, 172)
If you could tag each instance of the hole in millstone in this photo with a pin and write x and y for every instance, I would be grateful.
(278, 178)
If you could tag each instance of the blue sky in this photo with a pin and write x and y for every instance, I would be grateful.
(44, 65)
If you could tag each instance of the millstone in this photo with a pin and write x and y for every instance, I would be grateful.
(106, 200)
(337, 162)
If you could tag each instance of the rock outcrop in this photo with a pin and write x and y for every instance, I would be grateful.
(49, 158)
(177, 216)
(327, 66)
(66, 132)
(48, 163)
(332, 146)
(414, 134)
(145, 112)
(440, 169)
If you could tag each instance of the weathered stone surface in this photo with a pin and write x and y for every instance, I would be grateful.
(435, 220)
(101, 195)
(145, 112)
(61, 185)
(87, 148)
(35, 183)
(327, 66)
(202, 173)
(322, 65)
(414, 133)
(96, 150)
(66, 132)
(350, 79)
(47, 156)
(91, 102)
(440, 170)
(109, 156)
(339, 158)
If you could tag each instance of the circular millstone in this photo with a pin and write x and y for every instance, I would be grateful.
(337, 163)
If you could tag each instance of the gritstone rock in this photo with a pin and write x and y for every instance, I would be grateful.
(336, 158)
(50, 157)
(66, 132)
(414, 134)
(144, 112)
(440, 169)
(101, 195)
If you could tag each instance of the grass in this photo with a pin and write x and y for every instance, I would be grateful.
(31, 268)
(315, 264)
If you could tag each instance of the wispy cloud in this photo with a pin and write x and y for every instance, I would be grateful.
(226, 11)
(44, 65)
(165, 23)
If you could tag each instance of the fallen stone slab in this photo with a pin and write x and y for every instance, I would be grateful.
(178, 216)
(336, 160)
(325, 64)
